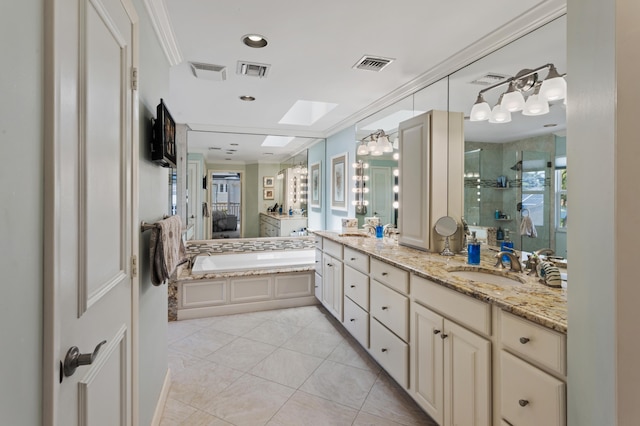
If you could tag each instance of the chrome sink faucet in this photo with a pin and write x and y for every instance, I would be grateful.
(514, 259)
(544, 251)
(371, 230)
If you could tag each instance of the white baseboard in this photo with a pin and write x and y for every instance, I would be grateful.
(162, 400)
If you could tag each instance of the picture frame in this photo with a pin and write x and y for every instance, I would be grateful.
(315, 176)
(268, 194)
(268, 181)
(339, 177)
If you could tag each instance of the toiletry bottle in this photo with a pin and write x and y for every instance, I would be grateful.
(497, 214)
(290, 211)
(499, 234)
(506, 245)
(473, 250)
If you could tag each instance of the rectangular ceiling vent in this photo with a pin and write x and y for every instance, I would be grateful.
(252, 69)
(489, 79)
(372, 63)
(208, 71)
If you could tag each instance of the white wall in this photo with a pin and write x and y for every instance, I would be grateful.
(315, 215)
(603, 151)
(344, 141)
(21, 212)
(153, 202)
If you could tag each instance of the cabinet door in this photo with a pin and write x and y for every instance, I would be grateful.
(415, 185)
(467, 381)
(318, 287)
(426, 361)
(332, 293)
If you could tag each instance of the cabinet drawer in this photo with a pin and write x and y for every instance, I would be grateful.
(390, 275)
(390, 352)
(356, 320)
(356, 260)
(356, 287)
(317, 240)
(332, 248)
(463, 309)
(318, 262)
(530, 397)
(533, 341)
(390, 308)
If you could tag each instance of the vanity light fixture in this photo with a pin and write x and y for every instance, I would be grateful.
(360, 187)
(552, 88)
(375, 144)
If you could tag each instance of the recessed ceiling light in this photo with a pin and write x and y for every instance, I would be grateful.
(233, 144)
(227, 159)
(305, 113)
(247, 98)
(254, 40)
(268, 153)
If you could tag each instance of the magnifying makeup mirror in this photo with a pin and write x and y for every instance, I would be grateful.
(446, 226)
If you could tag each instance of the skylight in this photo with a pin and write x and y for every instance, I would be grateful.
(391, 121)
(279, 141)
(305, 113)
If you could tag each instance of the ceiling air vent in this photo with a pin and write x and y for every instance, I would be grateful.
(208, 71)
(372, 63)
(252, 69)
(489, 79)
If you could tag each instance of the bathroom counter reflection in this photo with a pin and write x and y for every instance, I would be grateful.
(530, 300)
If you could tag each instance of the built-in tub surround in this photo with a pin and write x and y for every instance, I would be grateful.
(250, 261)
(530, 299)
(233, 247)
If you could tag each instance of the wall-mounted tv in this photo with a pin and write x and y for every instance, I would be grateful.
(163, 145)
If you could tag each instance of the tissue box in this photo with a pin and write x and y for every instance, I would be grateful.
(349, 225)
(373, 221)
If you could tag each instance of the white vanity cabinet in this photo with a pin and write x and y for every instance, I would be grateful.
(532, 373)
(332, 285)
(450, 365)
(280, 225)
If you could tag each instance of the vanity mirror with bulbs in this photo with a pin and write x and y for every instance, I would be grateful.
(514, 160)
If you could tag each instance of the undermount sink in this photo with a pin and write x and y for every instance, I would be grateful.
(488, 276)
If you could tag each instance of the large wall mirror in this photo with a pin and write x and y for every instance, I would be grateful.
(513, 169)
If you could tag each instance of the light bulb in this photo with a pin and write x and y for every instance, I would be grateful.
(512, 100)
(396, 204)
(535, 105)
(396, 156)
(553, 87)
(499, 116)
(396, 172)
(480, 110)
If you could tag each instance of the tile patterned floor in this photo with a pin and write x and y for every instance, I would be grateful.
(289, 367)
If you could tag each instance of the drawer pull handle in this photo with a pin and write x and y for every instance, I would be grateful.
(384, 308)
(353, 258)
(384, 274)
(352, 319)
(444, 336)
(329, 264)
(436, 331)
(353, 286)
(316, 286)
(384, 349)
(523, 402)
(524, 341)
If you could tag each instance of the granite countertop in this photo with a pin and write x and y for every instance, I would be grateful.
(531, 300)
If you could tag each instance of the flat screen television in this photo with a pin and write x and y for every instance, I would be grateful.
(163, 145)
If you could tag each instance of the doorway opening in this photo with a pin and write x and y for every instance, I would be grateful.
(226, 204)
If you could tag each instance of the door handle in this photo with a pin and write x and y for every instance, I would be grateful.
(75, 359)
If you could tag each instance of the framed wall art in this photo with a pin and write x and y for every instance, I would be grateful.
(316, 185)
(268, 194)
(339, 178)
(267, 181)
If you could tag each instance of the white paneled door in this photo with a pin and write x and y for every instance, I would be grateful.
(91, 118)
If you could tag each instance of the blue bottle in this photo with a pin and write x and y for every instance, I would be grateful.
(506, 245)
(379, 231)
(473, 250)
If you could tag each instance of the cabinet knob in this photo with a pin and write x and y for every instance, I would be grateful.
(436, 331)
(384, 308)
(384, 274)
(353, 258)
(329, 264)
(524, 340)
(523, 402)
(353, 286)
(316, 286)
(384, 349)
(352, 319)
(444, 336)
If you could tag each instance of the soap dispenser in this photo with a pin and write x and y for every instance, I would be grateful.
(506, 245)
(473, 250)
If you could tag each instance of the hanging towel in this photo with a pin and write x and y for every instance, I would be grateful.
(527, 228)
(167, 250)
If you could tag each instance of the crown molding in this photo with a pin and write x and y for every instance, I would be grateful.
(527, 22)
(157, 11)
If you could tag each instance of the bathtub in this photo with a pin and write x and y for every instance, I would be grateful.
(252, 261)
